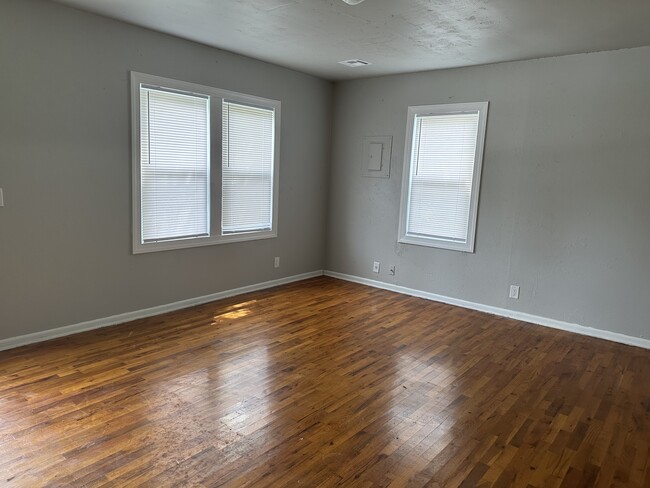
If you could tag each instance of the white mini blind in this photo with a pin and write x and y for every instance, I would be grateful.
(247, 173)
(174, 164)
(442, 168)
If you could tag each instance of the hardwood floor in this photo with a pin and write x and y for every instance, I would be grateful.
(325, 383)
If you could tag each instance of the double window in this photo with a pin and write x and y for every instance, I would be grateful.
(205, 165)
(442, 172)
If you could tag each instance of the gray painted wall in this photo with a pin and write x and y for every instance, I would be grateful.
(564, 208)
(65, 230)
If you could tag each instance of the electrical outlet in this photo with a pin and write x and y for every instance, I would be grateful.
(514, 292)
(391, 270)
(375, 267)
(276, 262)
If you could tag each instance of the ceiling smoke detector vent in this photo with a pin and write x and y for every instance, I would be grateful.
(354, 63)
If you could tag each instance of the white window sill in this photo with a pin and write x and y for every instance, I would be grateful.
(437, 243)
(140, 248)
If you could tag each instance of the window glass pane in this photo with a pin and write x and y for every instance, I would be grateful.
(442, 168)
(247, 173)
(174, 144)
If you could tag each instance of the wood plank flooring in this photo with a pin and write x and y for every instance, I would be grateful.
(325, 383)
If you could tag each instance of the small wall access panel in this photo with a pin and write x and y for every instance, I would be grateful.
(375, 160)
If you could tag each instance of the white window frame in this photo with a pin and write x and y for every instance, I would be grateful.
(216, 95)
(445, 109)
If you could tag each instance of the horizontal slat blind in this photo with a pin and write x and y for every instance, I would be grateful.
(175, 164)
(247, 173)
(442, 166)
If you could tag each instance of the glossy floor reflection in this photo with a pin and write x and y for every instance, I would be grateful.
(325, 383)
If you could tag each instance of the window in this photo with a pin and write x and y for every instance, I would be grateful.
(442, 172)
(205, 165)
(174, 164)
(247, 168)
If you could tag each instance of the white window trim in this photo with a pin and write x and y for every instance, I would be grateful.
(215, 94)
(444, 109)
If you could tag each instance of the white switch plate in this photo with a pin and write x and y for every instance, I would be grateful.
(514, 292)
(2, 198)
(375, 267)
(276, 262)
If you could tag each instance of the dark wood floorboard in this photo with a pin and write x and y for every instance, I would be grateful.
(325, 383)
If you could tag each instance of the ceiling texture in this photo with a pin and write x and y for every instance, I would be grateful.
(396, 36)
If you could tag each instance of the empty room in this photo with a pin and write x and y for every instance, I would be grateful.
(281, 243)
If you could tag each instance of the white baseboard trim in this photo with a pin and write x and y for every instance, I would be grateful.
(503, 312)
(147, 312)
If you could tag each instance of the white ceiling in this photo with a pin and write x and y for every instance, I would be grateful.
(396, 36)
